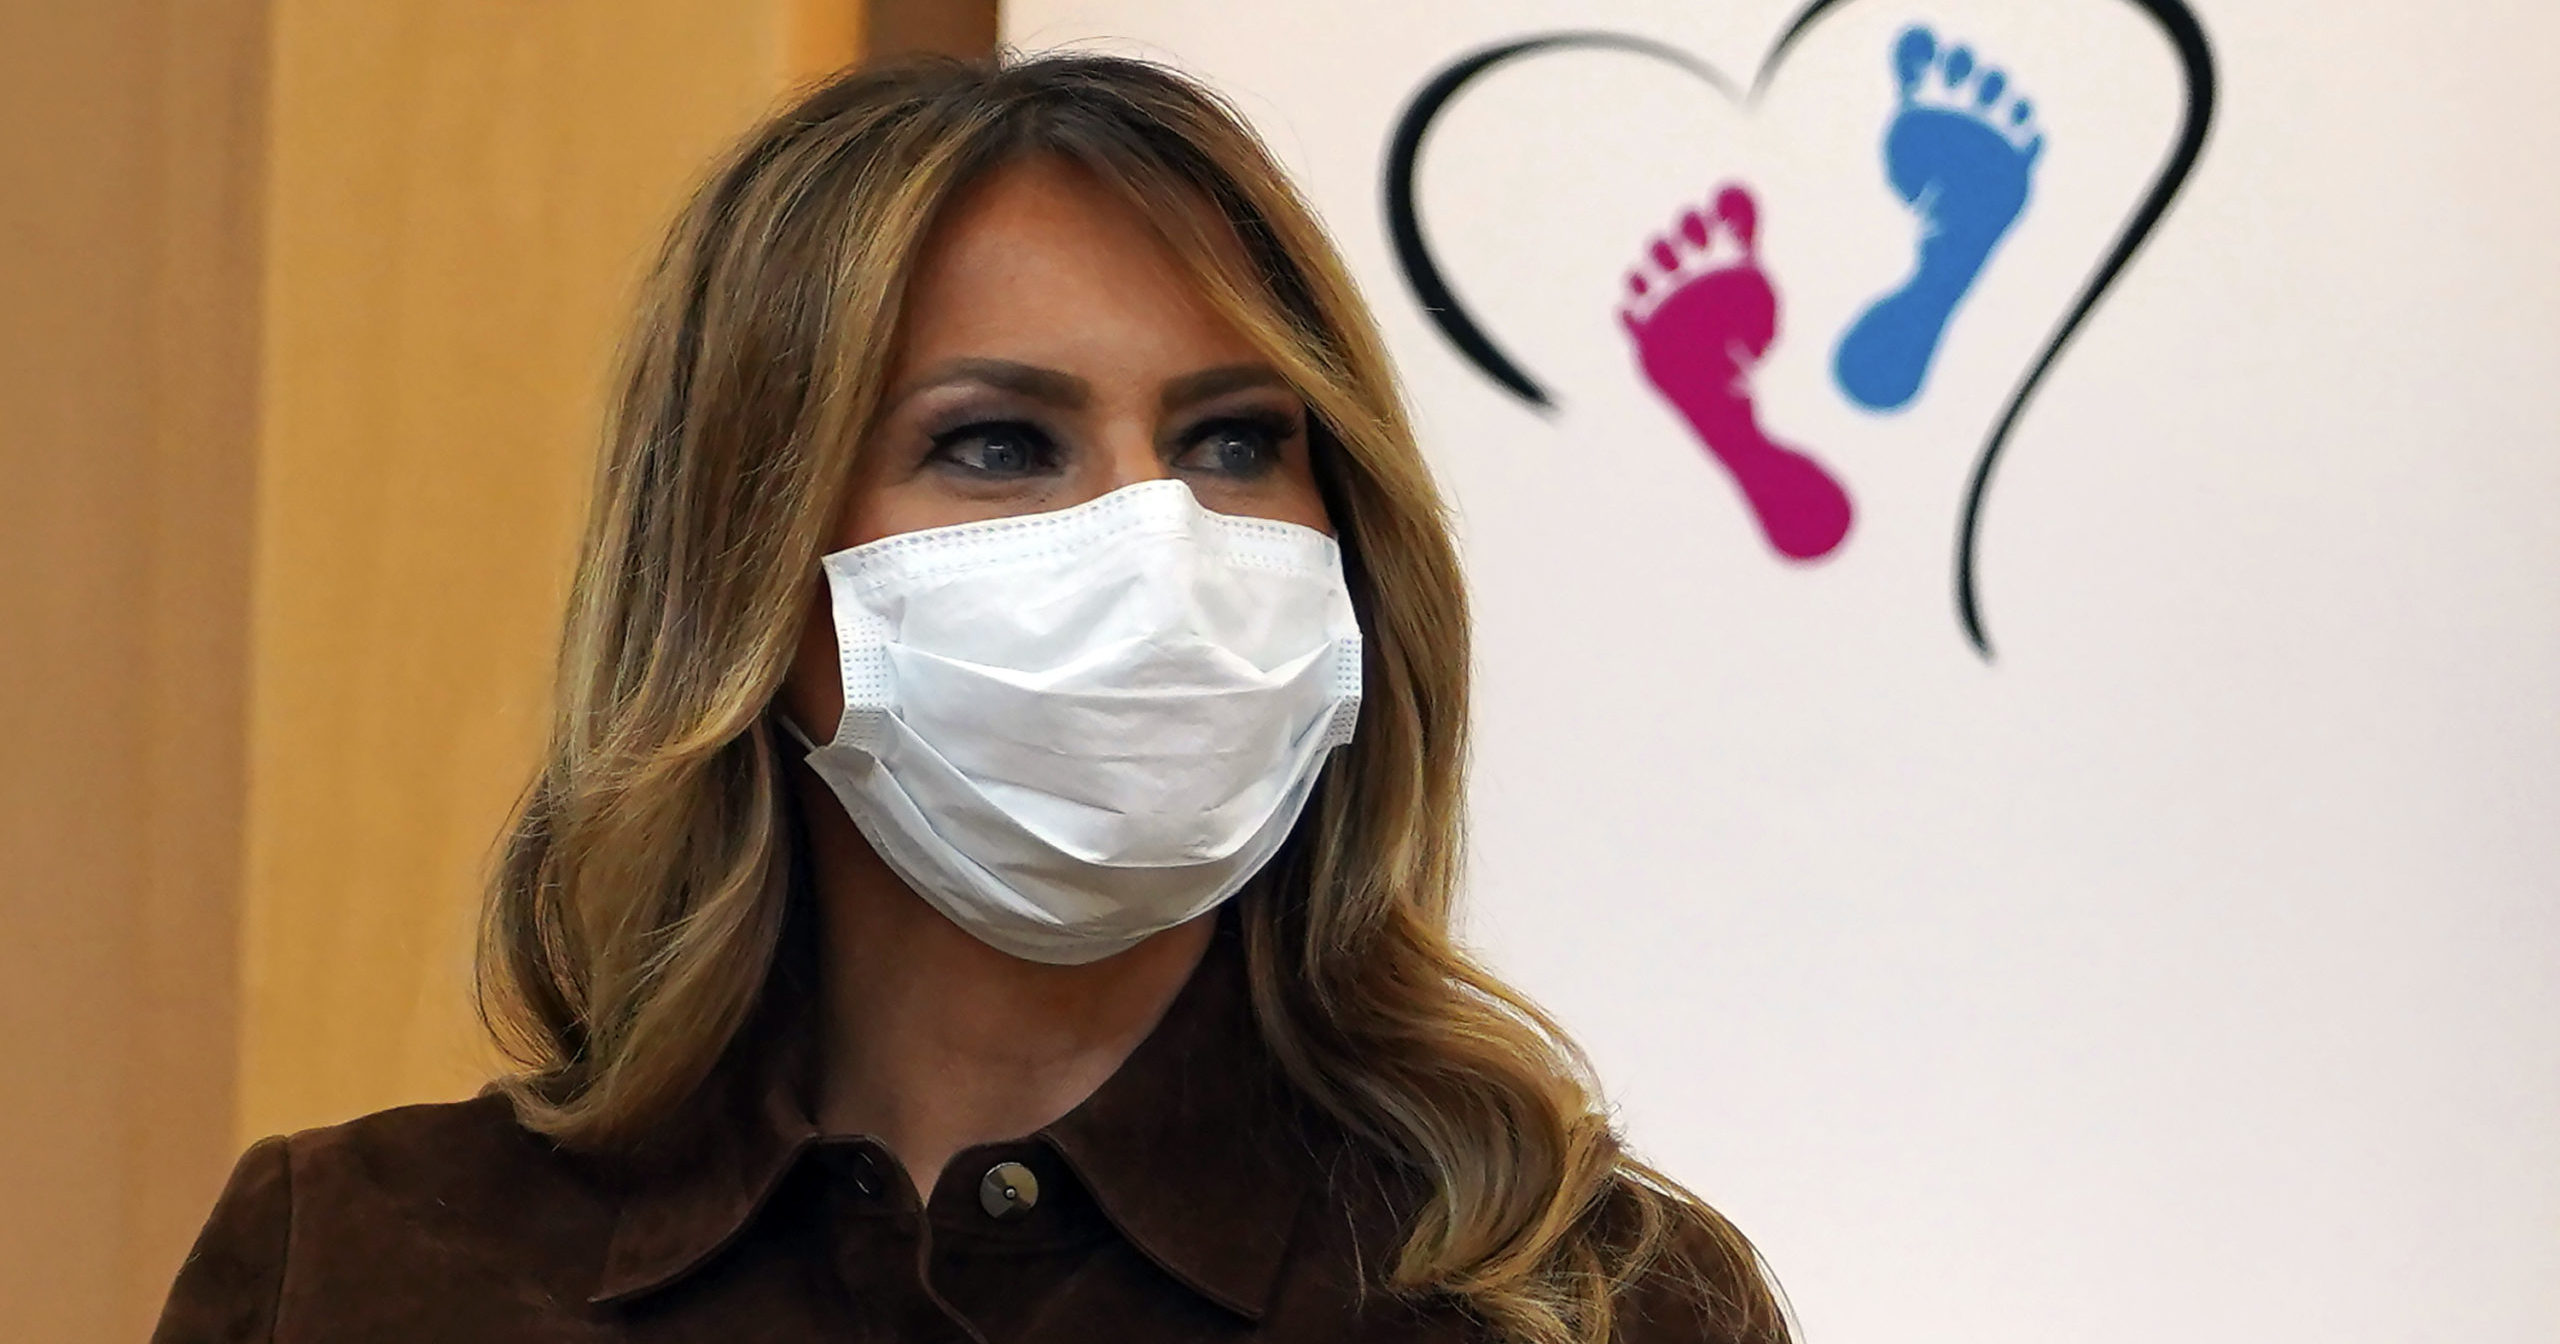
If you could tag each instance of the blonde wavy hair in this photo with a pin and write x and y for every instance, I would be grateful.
(636, 923)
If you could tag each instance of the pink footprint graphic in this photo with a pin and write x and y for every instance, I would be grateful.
(1703, 314)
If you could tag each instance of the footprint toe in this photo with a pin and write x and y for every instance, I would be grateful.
(1740, 213)
(1662, 255)
(1959, 65)
(1994, 83)
(1693, 226)
(1912, 55)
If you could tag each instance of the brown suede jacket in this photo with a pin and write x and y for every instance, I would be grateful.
(1189, 1199)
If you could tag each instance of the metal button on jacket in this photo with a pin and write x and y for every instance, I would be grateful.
(1008, 1190)
(857, 1168)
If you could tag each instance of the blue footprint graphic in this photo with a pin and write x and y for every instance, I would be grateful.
(1962, 151)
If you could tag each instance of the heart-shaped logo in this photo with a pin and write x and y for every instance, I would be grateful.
(1961, 151)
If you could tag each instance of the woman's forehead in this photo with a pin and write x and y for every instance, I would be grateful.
(1043, 262)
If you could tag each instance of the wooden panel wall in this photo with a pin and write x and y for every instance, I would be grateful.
(129, 153)
(463, 192)
(308, 312)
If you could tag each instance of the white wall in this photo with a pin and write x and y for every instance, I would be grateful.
(2193, 970)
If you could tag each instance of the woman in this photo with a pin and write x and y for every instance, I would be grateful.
(992, 872)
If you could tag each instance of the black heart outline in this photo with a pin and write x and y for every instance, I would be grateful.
(1422, 274)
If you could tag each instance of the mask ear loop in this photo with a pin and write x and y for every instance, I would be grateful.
(850, 719)
(783, 718)
(864, 677)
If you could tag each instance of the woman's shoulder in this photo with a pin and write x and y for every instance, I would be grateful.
(456, 1158)
(387, 1210)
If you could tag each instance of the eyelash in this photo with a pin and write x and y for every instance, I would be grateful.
(1043, 449)
(1273, 428)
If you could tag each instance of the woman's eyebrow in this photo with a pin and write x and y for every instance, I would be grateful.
(1063, 390)
(1192, 388)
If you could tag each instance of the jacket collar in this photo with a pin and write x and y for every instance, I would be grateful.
(1195, 1151)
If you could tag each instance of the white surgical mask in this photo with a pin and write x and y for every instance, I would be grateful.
(1071, 730)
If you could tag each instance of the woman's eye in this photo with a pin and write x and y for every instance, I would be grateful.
(1239, 446)
(998, 449)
